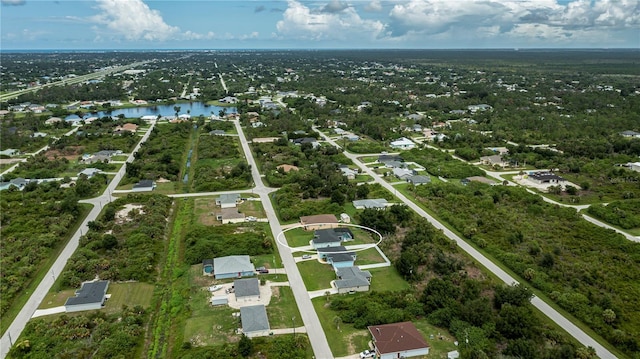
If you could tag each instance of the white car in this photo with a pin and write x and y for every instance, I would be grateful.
(214, 288)
(367, 354)
(306, 256)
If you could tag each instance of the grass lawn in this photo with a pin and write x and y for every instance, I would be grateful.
(267, 260)
(129, 294)
(119, 158)
(316, 275)
(387, 279)
(210, 325)
(56, 299)
(282, 308)
(252, 208)
(368, 256)
(363, 178)
(343, 341)
(298, 237)
(440, 340)
(368, 159)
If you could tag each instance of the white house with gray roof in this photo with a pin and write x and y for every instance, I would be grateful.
(91, 295)
(233, 267)
(228, 200)
(255, 322)
(352, 279)
(377, 203)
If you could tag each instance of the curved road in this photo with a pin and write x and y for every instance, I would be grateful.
(20, 321)
(554, 315)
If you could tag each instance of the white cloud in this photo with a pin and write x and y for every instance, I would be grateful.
(134, 20)
(12, 2)
(514, 19)
(373, 6)
(301, 22)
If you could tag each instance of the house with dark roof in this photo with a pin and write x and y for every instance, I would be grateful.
(338, 256)
(352, 279)
(91, 295)
(330, 237)
(255, 322)
(247, 289)
(418, 180)
(233, 267)
(144, 186)
(398, 340)
(546, 178)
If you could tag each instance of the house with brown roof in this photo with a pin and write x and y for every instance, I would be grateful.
(319, 221)
(127, 127)
(398, 340)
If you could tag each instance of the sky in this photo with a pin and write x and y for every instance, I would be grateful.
(331, 24)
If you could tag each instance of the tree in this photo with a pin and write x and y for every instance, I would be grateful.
(337, 321)
(517, 295)
(609, 316)
(245, 346)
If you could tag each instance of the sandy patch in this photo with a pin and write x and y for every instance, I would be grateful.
(123, 215)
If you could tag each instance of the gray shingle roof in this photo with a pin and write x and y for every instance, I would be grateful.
(254, 318)
(352, 277)
(246, 287)
(232, 264)
(89, 292)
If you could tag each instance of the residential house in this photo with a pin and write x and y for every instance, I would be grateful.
(38, 134)
(376, 203)
(144, 186)
(228, 99)
(219, 300)
(230, 215)
(300, 141)
(480, 107)
(233, 267)
(546, 178)
(9, 152)
(403, 173)
(494, 160)
(52, 120)
(348, 172)
(466, 181)
(91, 295)
(127, 127)
(255, 322)
(89, 172)
(19, 183)
(247, 289)
(228, 200)
(207, 266)
(330, 237)
(216, 133)
(630, 134)
(319, 221)
(398, 340)
(389, 158)
(418, 180)
(338, 256)
(352, 279)
(634, 166)
(351, 137)
(403, 143)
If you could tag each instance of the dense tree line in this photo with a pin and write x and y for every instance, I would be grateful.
(205, 242)
(161, 155)
(121, 247)
(586, 269)
(33, 222)
(92, 334)
(625, 214)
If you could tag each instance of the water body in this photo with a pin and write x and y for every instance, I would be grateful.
(194, 109)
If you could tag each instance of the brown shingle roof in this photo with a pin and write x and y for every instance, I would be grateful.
(397, 337)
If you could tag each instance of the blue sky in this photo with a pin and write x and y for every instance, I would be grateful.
(147, 24)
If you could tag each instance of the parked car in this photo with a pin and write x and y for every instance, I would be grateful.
(262, 270)
(367, 354)
(306, 256)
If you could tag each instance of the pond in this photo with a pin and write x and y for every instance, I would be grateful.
(194, 109)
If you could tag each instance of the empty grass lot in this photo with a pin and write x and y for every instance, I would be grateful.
(298, 237)
(282, 308)
(387, 279)
(316, 275)
(368, 256)
(210, 325)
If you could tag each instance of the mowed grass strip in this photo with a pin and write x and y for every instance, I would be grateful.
(282, 308)
(316, 275)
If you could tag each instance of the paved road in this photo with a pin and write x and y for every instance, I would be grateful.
(27, 311)
(558, 318)
(71, 81)
(309, 316)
